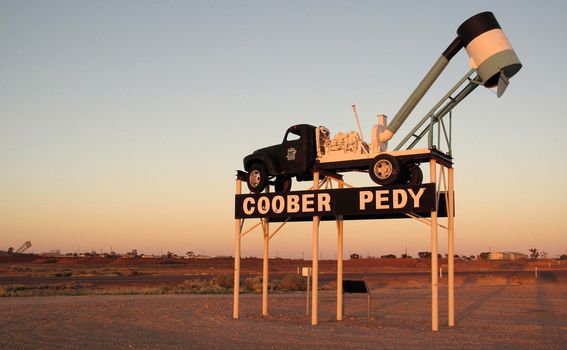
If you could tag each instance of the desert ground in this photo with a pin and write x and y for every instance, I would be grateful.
(531, 316)
(71, 303)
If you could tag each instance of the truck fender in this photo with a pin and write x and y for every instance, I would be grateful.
(269, 161)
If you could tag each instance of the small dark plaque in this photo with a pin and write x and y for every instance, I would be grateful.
(355, 286)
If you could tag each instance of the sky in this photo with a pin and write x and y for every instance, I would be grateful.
(122, 124)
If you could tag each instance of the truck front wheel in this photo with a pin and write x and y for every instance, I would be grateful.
(384, 169)
(257, 179)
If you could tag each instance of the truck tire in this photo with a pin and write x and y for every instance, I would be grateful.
(384, 169)
(413, 174)
(282, 184)
(257, 178)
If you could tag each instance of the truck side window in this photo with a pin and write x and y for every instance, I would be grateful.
(292, 135)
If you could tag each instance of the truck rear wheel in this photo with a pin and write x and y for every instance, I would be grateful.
(257, 179)
(413, 174)
(282, 184)
(384, 169)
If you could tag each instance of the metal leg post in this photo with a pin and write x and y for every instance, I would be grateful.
(315, 290)
(340, 304)
(237, 241)
(450, 250)
(266, 236)
(434, 262)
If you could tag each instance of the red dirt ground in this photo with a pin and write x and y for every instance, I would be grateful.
(494, 317)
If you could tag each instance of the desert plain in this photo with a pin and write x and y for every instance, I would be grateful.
(72, 303)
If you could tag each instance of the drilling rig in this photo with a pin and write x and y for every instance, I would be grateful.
(27, 245)
(306, 147)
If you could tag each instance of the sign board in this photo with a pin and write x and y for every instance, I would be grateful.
(350, 203)
(355, 286)
(305, 271)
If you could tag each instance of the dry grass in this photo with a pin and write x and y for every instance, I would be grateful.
(45, 289)
(221, 284)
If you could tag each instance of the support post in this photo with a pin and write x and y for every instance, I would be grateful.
(451, 248)
(307, 293)
(266, 236)
(315, 257)
(369, 305)
(434, 262)
(237, 241)
(340, 303)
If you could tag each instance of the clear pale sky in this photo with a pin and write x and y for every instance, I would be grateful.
(122, 122)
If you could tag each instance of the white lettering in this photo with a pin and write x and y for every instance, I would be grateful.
(416, 197)
(278, 208)
(293, 203)
(380, 199)
(248, 205)
(324, 202)
(400, 198)
(320, 202)
(364, 198)
(263, 205)
(307, 203)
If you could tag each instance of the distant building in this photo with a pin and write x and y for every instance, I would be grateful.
(52, 253)
(200, 256)
(506, 256)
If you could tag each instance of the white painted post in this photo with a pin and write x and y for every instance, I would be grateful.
(369, 305)
(451, 248)
(266, 236)
(237, 241)
(307, 293)
(315, 257)
(434, 280)
(535, 272)
(340, 264)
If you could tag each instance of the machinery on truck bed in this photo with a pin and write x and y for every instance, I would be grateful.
(306, 147)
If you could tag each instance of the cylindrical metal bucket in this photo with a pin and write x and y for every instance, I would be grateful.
(488, 48)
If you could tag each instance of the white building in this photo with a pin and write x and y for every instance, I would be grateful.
(506, 256)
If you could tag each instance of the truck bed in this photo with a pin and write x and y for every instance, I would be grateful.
(362, 162)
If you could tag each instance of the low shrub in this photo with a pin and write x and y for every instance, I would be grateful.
(225, 281)
(63, 274)
(292, 283)
(200, 287)
(253, 285)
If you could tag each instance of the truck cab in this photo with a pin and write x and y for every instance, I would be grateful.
(295, 156)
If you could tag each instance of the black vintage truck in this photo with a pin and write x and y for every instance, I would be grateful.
(303, 150)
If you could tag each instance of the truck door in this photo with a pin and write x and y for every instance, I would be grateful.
(292, 151)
